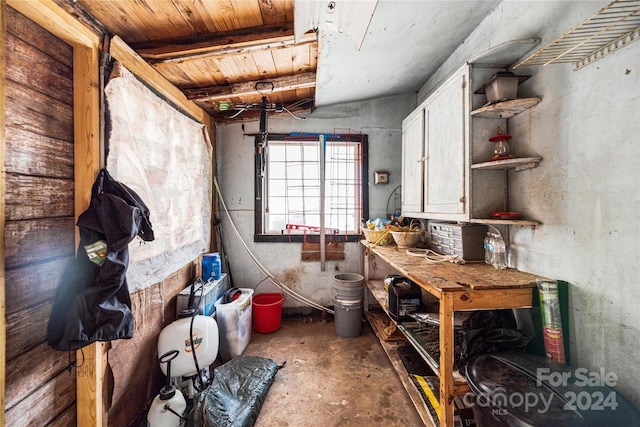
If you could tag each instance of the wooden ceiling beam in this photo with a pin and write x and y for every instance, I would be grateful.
(222, 43)
(223, 92)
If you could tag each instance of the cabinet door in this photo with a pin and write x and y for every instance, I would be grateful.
(412, 158)
(446, 186)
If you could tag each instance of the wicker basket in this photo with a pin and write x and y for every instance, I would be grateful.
(379, 237)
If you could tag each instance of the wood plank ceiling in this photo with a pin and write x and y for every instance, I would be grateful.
(225, 55)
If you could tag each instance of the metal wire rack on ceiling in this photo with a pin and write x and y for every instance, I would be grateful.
(611, 28)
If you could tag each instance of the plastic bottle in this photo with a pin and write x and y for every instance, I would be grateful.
(487, 248)
(211, 266)
(216, 266)
(500, 253)
(492, 249)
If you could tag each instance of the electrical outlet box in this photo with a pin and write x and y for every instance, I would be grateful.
(381, 177)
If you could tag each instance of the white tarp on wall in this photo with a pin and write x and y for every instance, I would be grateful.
(165, 157)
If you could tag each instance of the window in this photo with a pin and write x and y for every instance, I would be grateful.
(295, 174)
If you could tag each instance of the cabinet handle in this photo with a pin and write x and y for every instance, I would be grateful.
(462, 199)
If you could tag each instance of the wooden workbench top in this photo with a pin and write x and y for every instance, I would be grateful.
(449, 277)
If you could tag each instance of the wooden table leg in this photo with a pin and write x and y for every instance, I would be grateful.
(447, 348)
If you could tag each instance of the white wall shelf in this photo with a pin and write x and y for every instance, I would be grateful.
(490, 221)
(611, 28)
(505, 109)
(517, 163)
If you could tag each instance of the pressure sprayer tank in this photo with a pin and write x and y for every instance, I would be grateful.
(177, 336)
(168, 407)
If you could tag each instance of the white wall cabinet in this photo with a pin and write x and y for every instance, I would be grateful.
(412, 159)
(444, 145)
(446, 129)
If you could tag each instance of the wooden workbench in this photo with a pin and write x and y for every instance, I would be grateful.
(472, 286)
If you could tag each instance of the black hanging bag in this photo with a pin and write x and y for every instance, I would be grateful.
(93, 302)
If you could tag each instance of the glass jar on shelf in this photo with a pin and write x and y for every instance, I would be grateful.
(501, 149)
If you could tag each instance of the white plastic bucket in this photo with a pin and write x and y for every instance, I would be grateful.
(234, 321)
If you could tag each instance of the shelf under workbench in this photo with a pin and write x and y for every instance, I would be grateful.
(468, 287)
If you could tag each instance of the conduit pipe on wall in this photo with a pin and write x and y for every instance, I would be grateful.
(264, 271)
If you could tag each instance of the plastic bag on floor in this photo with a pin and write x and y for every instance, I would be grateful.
(236, 395)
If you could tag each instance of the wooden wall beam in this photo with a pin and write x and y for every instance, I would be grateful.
(3, 326)
(210, 129)
(226, 42)
(280, 84)
(91, 375)
(231, 51)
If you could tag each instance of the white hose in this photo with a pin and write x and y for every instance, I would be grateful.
(272, 278)
(434, 257)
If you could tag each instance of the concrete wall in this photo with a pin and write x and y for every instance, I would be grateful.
(380, 119)
(586, 191)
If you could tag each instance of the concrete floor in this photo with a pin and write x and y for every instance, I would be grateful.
(329, 380)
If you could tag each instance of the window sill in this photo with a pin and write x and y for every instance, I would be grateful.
(300, 238)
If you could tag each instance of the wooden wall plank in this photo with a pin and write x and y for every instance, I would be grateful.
(36, 60)
(41, 114)
(25, 71)
(68, 418)
(38, 241)
(31, 197)
(44, 403)
(311, 251)
(32, 369)
(54, 19)
(38, 37)
(29, 153)
(35, 284)
(27, 329)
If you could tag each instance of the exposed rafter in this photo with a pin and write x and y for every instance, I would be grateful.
(221, 92)
(222, 43)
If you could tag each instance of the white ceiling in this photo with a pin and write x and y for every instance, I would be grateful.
(406, 42)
